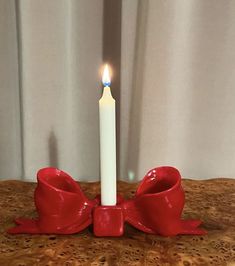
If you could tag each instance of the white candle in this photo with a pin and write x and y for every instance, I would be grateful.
(107, 143)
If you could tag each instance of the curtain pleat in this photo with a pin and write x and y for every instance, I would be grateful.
(10, 118)
(178, 96)
(175, 90)
(61, 51)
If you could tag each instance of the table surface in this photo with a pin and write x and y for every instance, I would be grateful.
(213, 201)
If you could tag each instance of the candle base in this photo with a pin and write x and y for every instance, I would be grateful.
(108, 221)
(63, 208)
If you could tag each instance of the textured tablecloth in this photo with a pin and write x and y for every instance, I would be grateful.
(213, 201)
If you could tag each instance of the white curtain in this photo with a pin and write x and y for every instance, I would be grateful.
(175, 90)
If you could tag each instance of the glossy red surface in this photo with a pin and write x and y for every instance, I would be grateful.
(64, 209)
(108, 221)
(158, 205)
(61, 205)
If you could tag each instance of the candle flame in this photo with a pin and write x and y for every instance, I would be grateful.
(106, 80)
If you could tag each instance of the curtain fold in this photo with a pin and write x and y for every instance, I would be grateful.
(175, 91)
(10, 118)
(183, 96)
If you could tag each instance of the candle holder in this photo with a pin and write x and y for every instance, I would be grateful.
(63, 208)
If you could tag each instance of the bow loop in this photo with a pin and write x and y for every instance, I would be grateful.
(159, 180)
(61, 205)
(158, 204)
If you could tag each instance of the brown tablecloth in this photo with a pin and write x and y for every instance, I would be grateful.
(213, 201)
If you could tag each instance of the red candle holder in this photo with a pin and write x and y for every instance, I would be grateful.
(63, 208)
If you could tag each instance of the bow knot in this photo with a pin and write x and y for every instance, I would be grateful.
(63, 208)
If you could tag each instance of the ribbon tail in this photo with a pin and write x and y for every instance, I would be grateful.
(24, 226)
(74, 228)
(190, 227)
(134, 217)
(31, 226)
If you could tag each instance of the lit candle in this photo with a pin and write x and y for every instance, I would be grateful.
(107, 142)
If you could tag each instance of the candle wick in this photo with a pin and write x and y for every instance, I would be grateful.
(107, 84)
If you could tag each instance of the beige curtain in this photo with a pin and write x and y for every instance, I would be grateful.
(174, 83)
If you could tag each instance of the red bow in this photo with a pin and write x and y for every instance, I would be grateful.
(64, 209)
